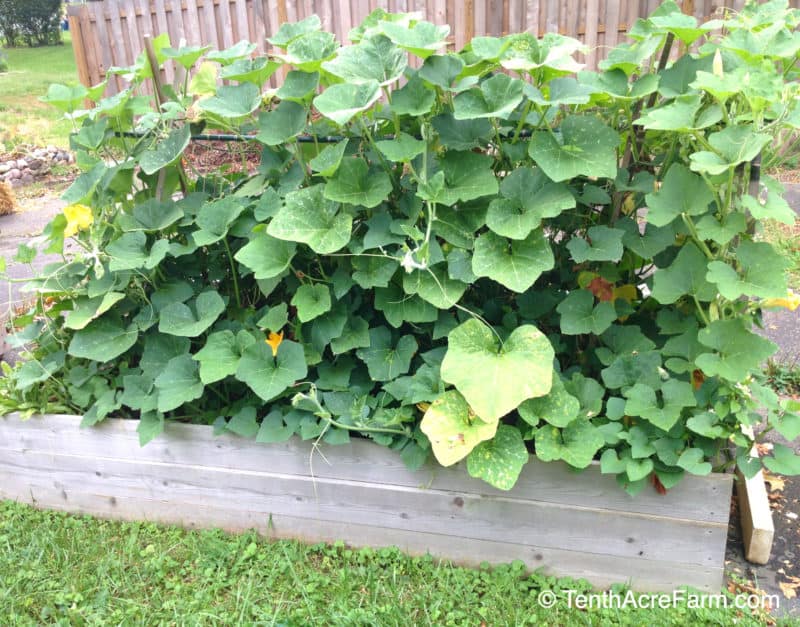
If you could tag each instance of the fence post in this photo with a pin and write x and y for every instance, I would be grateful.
(78, 20)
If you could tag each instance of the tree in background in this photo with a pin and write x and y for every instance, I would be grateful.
(33, 22)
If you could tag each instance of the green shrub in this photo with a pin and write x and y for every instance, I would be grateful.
(499, 257)
(34, 22)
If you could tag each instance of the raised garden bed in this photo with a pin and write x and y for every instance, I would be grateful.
(575, 524)
(493, 257)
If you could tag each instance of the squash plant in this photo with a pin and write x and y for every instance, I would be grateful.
(486, 254)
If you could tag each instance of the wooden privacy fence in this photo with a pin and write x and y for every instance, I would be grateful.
(110, 32)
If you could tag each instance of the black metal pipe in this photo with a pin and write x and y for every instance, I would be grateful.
(303, 139)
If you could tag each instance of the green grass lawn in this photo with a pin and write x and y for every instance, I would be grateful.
(72, 570)
(23, 119)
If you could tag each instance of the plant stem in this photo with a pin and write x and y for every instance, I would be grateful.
(298, 155)
(700, 310)
(521, 122)
(371, 142)
(693, 230)
(233, 273)
(339, 425)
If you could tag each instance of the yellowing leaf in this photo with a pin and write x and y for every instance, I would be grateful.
(775, 483)
(791, 301)
(585, 277)
(629, 205)
(78, 217)
(274, 340)
(625, 292)
(453, 428)
(204, 82)
(789, 588)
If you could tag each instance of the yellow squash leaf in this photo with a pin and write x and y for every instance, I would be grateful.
(629, 204)
(453, 429)
(776, 484)
(274, 340)
(78, 217)
(585, 277)
(626, 292)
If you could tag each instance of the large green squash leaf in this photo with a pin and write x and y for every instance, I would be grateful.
(309, 218)
(179, 383)
(232, 101)
(528, 197)
(516, 264)
(289, 31)
(681, 192)
(733, 145)
(675, 395)
(187, 56)
(738, 351)
(86, 309)
(783, 461)
(355, 184)
(151, 215)
(384, 361)
(497, 97)
(402, 148)
(298, 86)
(434, 286)
(467, 176)
(499, 461)
(421, 38)
(374, 59)
(308, 51)
(579, 314)
(220, 356)
(342, 101)
(413, 98)
(602, 244)
(239, 50)
(268, 375)
(215, 218)
(496, 378)
(311, 301)
(761, 272)
(103, 339)
(399, 307)
(329, 158)
(282, 123)
(166, 152)
(558, 407)
(587, 148)
(686, 275)
(576, 444)
(266, 256)
(255, 71)
(129, 252)
(191, 320)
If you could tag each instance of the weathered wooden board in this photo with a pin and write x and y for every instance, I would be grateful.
(581, 525)
(758, 529)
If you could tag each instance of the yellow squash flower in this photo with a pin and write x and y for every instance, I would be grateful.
(78, 217)
(791, 301)
(274, 340)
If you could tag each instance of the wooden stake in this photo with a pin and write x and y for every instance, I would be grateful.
(153, 61)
